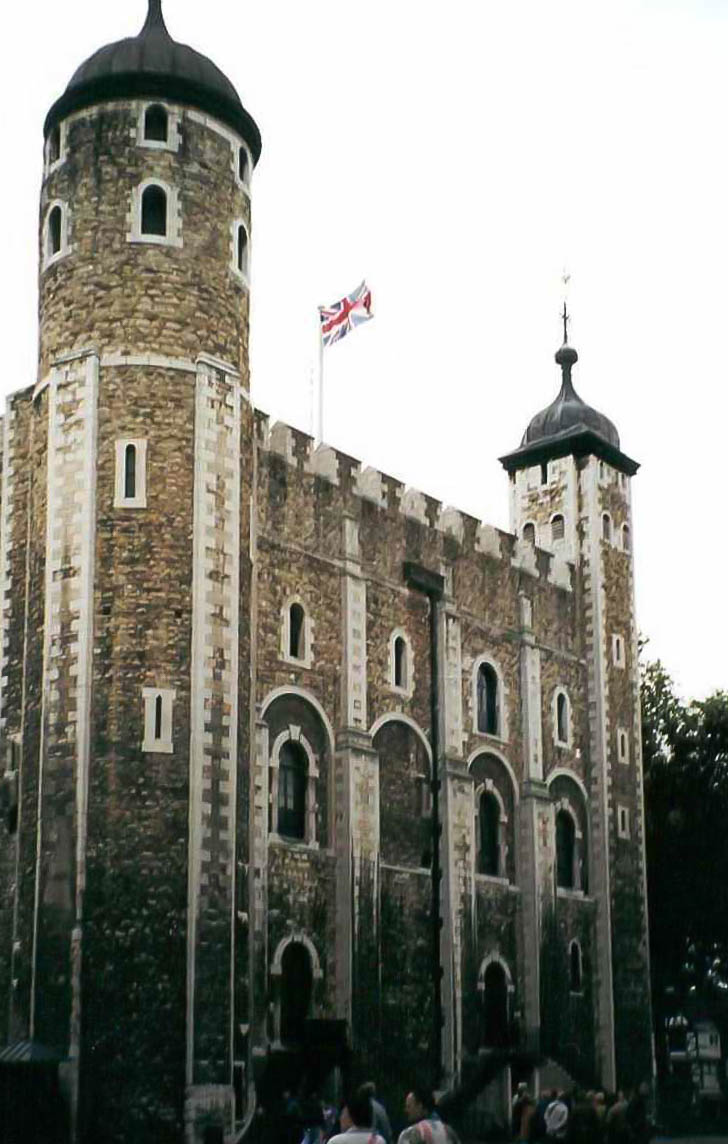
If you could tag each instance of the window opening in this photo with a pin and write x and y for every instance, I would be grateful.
(606, 527)
(292, 778)
(158, 717)
(557, 527)
(54, 231)
(529, 533)
(154, 211)
(544, 473)
(243, 166)
(156, 124)
(295, 633)
(495, 1006)
(296, 990)
(130, 473)
(242, 250)
(400, 662)
(54, 144)
(562, 718)
(487, 699)
(489, 853)
(625, 538)
(565, 849)
(575, 967)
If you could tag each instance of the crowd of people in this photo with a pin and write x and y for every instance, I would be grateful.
(581, 1117)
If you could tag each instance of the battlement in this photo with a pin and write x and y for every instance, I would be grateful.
(300, 451)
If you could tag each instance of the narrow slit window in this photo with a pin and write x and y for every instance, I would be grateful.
(562, 718)
(575, 967)
(242, 251)
(488, 699)
(156, 124)
(54, 144)
(557, 527)
(158, 717)
(154, 211)
(606, 527)
(400, 662)
(626, 541)
(243, 165)
(529, 533)
(544, 473)
(296, 632)
(130, 465)
(55, 220)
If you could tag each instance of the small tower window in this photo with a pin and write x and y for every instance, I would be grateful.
(242, 250)
(154, 211)
(156, 124)
(296, 632)
(529, 533)
(575, 974)
(400, 662)
(623, 822)
(292, 782)
(158, 717)
(54, 144)
(243, 165)
(606, 527)
(487, 696)
(489, 835)
(626, 539)
(557, 527)
(562, 718)
(544, 473)
(131, 482)
(565, 849)
(130, 457)
(158, 704)
(622, 745)
(55, 230)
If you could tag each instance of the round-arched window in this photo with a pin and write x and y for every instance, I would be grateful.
(156, 124)
(55, 230)
(565, 849)
(154, 211)
(489, 835)
(292, 780)
(487, 695)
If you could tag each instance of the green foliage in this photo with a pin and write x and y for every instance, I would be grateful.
(685, 757)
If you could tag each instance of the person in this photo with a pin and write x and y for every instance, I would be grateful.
(380, 1123)
(356, 1121)
(538, 1123)
(638, 1121)
(556, 1118)
(517, 1106)
(425, 1124)
(584, 1127)
(617, 1128)
(528, 1108)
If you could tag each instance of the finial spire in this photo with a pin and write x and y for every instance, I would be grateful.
(565, 319)
(155, 19)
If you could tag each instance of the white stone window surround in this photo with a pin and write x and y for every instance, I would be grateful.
(409, 664)
(306, 659)
(532, 535)
(243, 276)
(50, 167)
(607, 533)
(502, 707)
(622, 745)
(618, 650)
(576, 992)
(139, 500)
(293, 734)
(173, 237)
(489, 958)
(575, 891)
(162, 745)
(237, 146)
(567, 742)
(174, 119)
(65, 247)
(489, 787)
(622, 821)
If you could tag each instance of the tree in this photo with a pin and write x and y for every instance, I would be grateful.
(685, 759)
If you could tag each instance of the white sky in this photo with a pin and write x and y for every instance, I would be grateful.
(459, 155)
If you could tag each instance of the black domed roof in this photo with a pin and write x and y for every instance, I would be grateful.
(568, 412)
(152, 64)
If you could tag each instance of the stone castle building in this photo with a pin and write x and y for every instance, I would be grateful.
(295, 756)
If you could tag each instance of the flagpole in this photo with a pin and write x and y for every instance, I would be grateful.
(320, 380)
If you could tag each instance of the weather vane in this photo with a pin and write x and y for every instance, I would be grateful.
(566, 279)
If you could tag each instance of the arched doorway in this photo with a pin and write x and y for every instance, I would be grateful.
(296, 989)
(495, 1006)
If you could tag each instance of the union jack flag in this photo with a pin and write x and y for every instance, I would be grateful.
(350, 312)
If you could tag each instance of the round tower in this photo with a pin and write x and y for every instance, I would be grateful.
(125, 661)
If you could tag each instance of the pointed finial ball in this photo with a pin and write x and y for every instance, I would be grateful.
(566, 355)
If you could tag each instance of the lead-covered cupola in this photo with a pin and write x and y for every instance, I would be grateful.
(153, 65)
(568, 427)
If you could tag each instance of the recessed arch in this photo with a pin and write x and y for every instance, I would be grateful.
(400, 717)
(296, 935)
(301, 693)
(564, 772)
(480, 751)
(489, 698)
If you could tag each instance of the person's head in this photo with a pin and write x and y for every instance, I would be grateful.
(600, 1098)
(357, 1111)
(522, 1088)
(419, 1103)
(369, 1088)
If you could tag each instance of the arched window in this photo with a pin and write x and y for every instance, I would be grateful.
(296, 632)
(130, 458)
(626, 540)
(489, 835)
(495, 1006)
(575, 967)
(529, 533)
(565, 849)
(243, 165)
(54, 144)
(296, 990)
(606, 527)
(488, 720)
(154, 211)
(400, 662)
(156, 124)
(557, 527)
(292, 782)
(562, 718)
(55, 230)
(242, 249)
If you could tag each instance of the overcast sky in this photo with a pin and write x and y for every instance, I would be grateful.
(459, 156)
